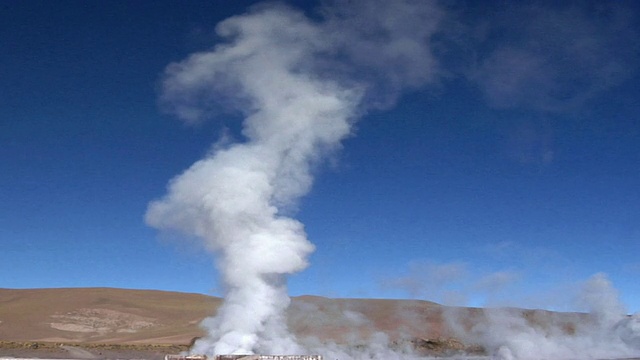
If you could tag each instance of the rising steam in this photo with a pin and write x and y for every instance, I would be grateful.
(279, 70)
(603, 331)
(300, 84)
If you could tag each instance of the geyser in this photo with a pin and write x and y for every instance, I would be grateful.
(300, 85)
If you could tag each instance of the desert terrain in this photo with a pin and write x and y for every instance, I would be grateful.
(106, 323)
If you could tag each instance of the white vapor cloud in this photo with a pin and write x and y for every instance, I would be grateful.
(605, 331)
(598, 297)
(385, 46)
(300, 84)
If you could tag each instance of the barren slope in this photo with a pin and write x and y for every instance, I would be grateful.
(106, 315)
(102, 315)
(117, 316)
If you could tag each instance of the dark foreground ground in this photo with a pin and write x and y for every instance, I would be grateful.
(53, 350)
(44, 350)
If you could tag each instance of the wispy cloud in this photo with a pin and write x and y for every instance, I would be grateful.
(454, 283)
(554, 59)
(497, 281)
(441, 282)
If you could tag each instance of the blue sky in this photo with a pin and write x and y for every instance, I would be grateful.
(509, 179)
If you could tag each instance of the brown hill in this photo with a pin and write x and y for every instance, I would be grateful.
(103, 319)
(107, 315)
(102, 315)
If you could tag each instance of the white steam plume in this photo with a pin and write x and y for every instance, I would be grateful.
(605, 332)
(279, 69)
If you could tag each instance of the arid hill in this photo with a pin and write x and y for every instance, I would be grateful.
(101, 319)
(102, 315)
(106, 315)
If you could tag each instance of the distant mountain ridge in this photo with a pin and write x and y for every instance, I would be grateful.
(121, 316)
(111, 315)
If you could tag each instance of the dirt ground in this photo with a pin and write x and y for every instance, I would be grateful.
(50, 350)
(43, 350)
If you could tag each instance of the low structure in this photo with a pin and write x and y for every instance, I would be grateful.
(244, 357)
(268, 357)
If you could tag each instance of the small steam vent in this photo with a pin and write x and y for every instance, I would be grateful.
(244, 357)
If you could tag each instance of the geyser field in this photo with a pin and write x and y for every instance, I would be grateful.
(300, 82)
